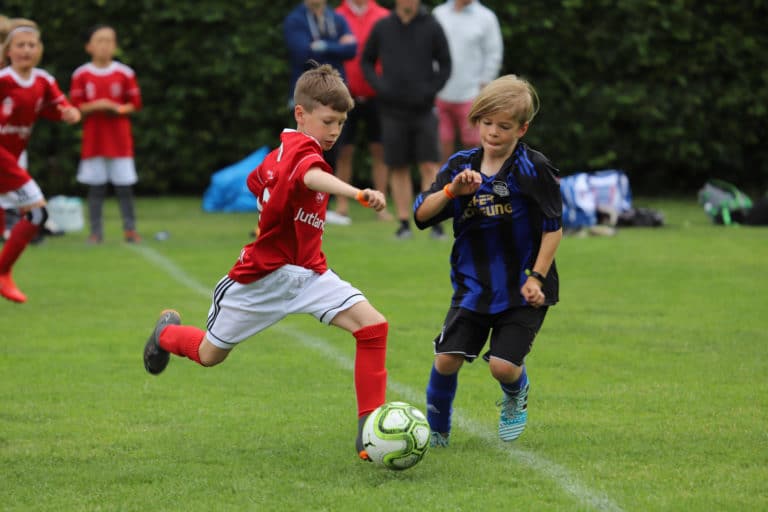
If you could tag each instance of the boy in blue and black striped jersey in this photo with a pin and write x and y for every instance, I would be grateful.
(504, 199)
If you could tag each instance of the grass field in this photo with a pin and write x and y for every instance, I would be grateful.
(649, 387)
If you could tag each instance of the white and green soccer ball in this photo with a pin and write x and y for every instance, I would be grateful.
(396, 435)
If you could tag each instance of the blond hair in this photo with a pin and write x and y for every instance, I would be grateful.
(510, 94)
(13, 25)
(5, 27)
(322, 85)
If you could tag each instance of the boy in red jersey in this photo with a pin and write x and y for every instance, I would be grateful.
(285, 271)
(26, 93)
(107, 93)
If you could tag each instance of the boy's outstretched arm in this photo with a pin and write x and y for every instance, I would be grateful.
(465, 183)
(320, 181)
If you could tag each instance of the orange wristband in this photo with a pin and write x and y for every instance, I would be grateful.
(361, 199)
(448, 192)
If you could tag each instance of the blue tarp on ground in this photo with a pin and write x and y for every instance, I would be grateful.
(228, 191)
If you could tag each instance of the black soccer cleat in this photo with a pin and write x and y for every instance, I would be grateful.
(155, 358)
(359, 448)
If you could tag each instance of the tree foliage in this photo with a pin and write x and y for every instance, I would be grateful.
(672, 92)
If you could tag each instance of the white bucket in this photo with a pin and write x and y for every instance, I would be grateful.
(66, 213)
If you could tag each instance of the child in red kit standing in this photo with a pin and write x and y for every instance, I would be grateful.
(107, 93)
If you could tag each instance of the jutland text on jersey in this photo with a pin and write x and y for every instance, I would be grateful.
(312, 219)
(22, 131)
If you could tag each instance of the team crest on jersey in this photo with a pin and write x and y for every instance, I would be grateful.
(319, 197)
(116, 90)
(39, 105)
(90, 90)
(500, 189)
(7, 106)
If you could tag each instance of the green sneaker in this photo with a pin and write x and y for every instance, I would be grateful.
(438, 440)
(514, 414)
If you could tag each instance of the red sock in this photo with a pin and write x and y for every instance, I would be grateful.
(21, 234)
(370, 369)
(182, 340)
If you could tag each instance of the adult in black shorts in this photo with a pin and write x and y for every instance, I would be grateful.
(411, 47)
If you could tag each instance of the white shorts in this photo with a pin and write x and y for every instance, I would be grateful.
(238, 311)
(99, 170)
(29, 193)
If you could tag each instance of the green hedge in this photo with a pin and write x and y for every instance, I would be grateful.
(672, 92)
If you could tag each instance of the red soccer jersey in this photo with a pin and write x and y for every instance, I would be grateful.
(21, 103)
(292, 216)
(360, 23)
(106, 134)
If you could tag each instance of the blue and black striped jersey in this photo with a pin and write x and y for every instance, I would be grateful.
(497, 231)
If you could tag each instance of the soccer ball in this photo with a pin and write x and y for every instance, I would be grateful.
(396, 435)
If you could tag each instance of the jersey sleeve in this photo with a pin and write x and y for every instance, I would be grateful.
(443, 178)
(539, 179)
(53, 99)
(77, 90)
(134, 92)
(307, 157)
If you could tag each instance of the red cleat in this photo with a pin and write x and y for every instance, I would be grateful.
(132, 237)
(9, 290)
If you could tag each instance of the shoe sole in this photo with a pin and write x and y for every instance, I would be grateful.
(152, 348)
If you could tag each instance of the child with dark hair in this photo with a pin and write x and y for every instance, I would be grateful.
(107, 93)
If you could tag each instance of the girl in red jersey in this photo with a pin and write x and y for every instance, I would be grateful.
(285, 271)
(26, 93)
(107, 93)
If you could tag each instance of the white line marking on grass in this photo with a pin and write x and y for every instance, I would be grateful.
(551, 470)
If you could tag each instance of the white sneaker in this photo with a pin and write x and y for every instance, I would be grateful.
(331, 217)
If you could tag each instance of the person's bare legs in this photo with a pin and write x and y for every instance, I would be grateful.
(379, 175)
(344, 173)
(446, 150)
(402, 196)
(428, 171)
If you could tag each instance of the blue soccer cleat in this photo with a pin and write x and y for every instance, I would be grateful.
(514, 414)
(438, 440)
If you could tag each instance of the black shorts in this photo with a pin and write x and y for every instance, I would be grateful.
(363, 118)
(410, 140)
(512, 332)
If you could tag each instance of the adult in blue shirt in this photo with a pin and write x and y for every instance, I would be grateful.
(315, 32)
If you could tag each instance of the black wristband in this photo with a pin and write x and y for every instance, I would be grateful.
(536, 275)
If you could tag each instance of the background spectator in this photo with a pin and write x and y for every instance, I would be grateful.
(415, 64)
(107, 93)
(361, 15)
(474, 38)
(313, 31)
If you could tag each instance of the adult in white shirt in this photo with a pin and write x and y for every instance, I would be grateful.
(476, 46)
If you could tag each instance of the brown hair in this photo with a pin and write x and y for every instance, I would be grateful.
(508, 93)
(322, 85)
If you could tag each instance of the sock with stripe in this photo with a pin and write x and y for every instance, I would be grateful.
(182, 340)
(370, 369)
(441, 391)
(513, 388)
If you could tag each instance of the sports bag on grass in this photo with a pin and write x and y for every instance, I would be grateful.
(724, 202)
